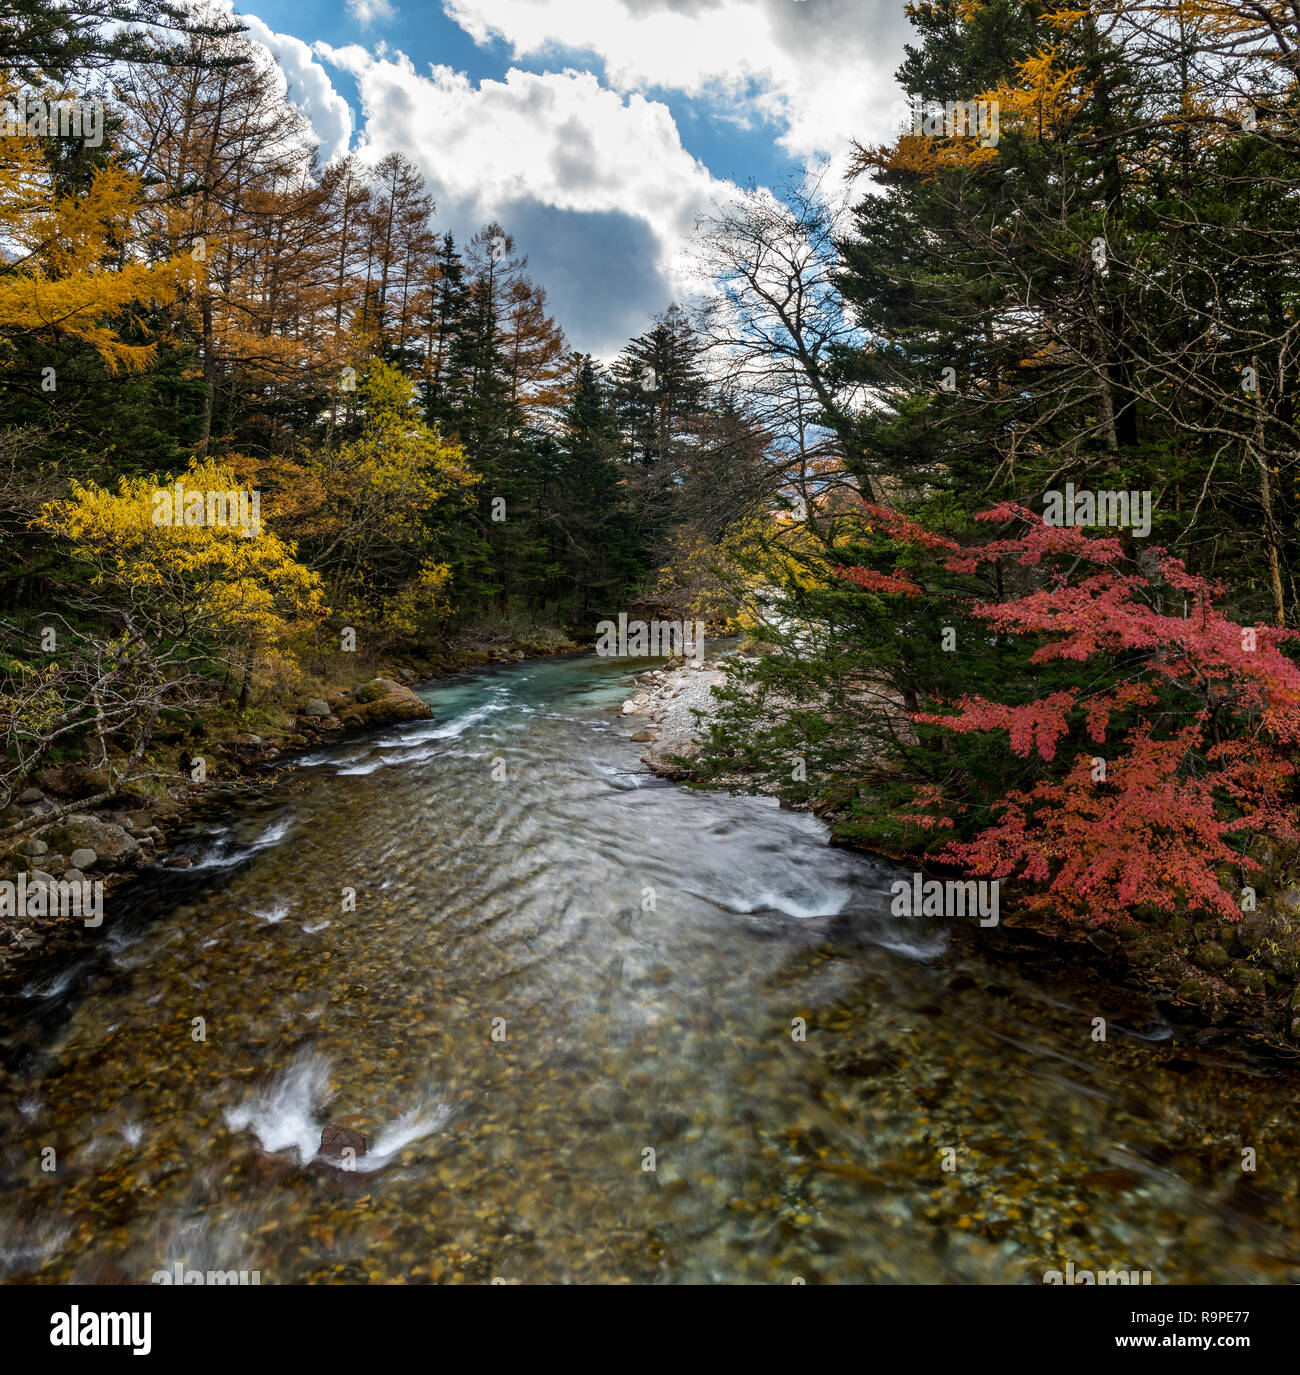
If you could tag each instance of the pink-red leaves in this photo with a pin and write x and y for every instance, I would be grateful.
(1191, 714)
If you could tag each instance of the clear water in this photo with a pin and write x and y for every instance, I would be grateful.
(565, 1015)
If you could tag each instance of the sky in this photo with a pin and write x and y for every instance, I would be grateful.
(594, 131)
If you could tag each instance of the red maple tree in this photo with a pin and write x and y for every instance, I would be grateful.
(1193, 719)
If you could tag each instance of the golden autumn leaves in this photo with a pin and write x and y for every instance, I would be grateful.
(210, 583)
(60, 278)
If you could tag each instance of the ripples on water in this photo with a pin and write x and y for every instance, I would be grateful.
(549, 976)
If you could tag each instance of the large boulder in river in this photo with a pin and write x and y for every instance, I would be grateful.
(380, 702)
(113, 847)
(374, 690)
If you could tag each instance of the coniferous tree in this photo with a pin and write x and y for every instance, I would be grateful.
(597, 537)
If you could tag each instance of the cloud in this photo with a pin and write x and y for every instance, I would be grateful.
(587, 168)
(599, 269)
(559, 141)
(308, 85)
(820, 72)
(365, 12)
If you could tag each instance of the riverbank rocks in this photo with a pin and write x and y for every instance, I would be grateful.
(316, 707)
(113, 847)
(71, 781)
(247, 748)
(139, 823)
(1210, 955)
(380, 702)
(670, 698)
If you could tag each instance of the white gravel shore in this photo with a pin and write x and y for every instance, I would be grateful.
(667, 698)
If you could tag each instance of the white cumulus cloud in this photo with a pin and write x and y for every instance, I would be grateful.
(592, 161)
(308, 85)
(820, 70)
(558, 138)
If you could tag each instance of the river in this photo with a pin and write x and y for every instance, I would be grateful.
(597, 1028)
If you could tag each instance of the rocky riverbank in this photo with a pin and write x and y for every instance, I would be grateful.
(675, 701)
(111, 840)
(1243, 974)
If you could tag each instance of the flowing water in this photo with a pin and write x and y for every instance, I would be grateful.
(596, 1027)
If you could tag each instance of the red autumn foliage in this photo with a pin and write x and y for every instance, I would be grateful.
(1197, 715)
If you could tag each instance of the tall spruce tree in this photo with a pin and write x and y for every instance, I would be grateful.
(598, 542)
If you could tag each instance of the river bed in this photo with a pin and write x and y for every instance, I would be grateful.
(597, 1028)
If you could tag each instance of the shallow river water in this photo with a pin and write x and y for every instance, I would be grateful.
(568, 1015)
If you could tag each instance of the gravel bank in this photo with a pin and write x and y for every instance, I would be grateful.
(667, 699)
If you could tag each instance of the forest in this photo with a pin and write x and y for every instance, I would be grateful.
(976, 449)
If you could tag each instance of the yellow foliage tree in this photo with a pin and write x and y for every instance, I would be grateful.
(370, 528)
(68, 274)
(1040, 102)
(211, 584)
(729, 583)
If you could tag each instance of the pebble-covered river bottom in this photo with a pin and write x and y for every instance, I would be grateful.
(568, 1015)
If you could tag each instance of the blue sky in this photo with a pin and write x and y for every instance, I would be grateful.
(595, 131)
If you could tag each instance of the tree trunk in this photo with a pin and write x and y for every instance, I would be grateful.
(247, 684)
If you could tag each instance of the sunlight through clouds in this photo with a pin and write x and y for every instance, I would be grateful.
(557, 139)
